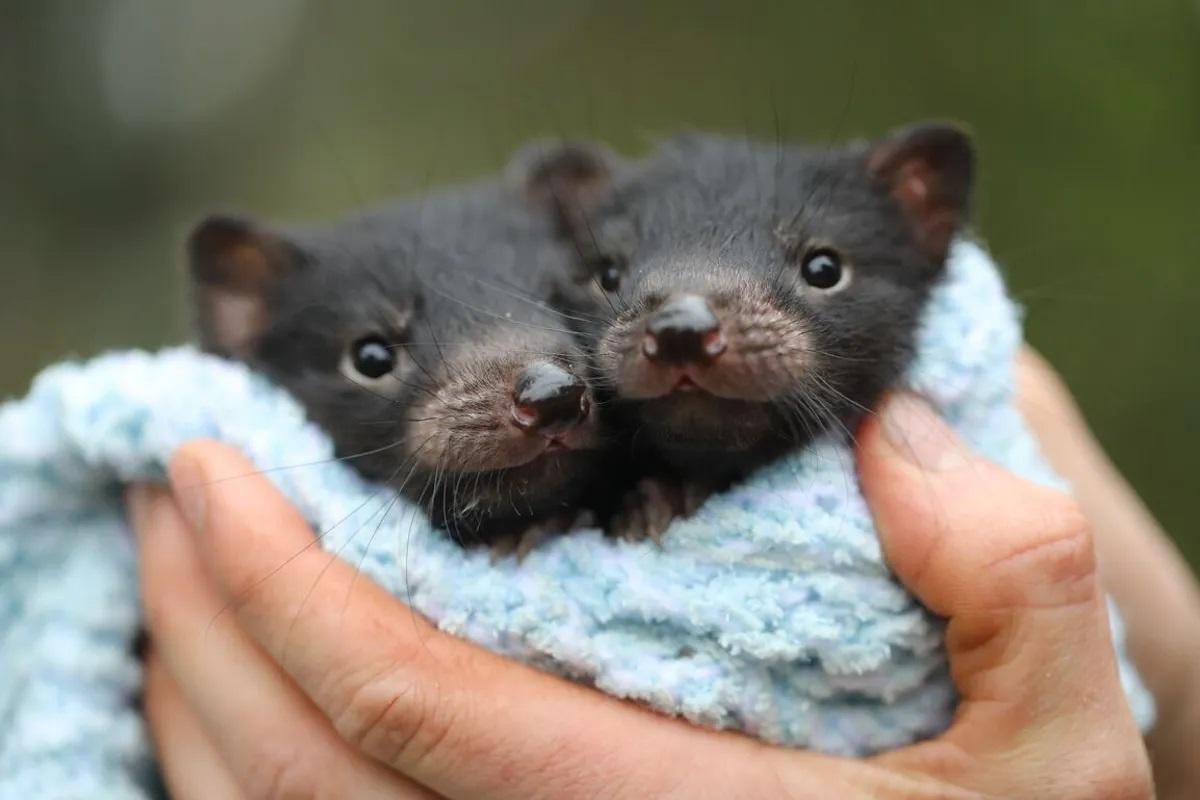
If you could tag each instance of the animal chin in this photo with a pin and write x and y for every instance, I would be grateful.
(545, 470)
(533, 451)
(552, 451)
(698, 419)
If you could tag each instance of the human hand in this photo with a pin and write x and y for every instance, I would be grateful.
(1139, 566)
(276, 669)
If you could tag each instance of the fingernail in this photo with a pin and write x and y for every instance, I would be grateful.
(917, 434)
(188, 485)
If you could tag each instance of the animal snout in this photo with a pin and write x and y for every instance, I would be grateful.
(548, 399)
(684, 330)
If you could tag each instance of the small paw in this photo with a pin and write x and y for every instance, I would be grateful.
(522, 542)
(503, 546)
(580, 520)
(694, 495)
(647, 511)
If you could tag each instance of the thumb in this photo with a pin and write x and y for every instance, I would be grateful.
(1010, 565)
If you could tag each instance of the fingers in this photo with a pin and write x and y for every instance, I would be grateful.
(190, 764)
(1139, 563)
(1139, 566)
(267, 732)
(1011, 566)
(456, 718)
(1007, 562)
(964, 534)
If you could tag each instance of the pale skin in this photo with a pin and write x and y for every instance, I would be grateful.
(247, 696)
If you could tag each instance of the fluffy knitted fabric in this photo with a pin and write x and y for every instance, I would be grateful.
(770, 611)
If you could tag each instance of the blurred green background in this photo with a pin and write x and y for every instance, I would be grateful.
(122, 122)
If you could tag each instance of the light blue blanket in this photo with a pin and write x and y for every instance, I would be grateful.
(770, 611)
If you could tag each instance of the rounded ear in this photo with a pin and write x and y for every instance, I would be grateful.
(565, 178)
(928, 168)
(235, 266)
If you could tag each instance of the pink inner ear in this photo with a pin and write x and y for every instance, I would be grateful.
(912, 186)
(234, 320)
(916, 188)
(924, 204)
(927, 171)
(248, 266)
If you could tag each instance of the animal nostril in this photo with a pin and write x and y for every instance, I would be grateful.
(683, 330)
(549, 399)
(524, 416)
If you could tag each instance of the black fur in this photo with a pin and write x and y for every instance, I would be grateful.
(732, 220)
(452, 283)
(457, 286)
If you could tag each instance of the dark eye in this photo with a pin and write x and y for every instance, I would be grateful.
(822, 269)
(609, 270)
(372, 358)
(610, 279)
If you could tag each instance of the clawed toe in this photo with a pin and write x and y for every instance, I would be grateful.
(523, 542)
(646, 512)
